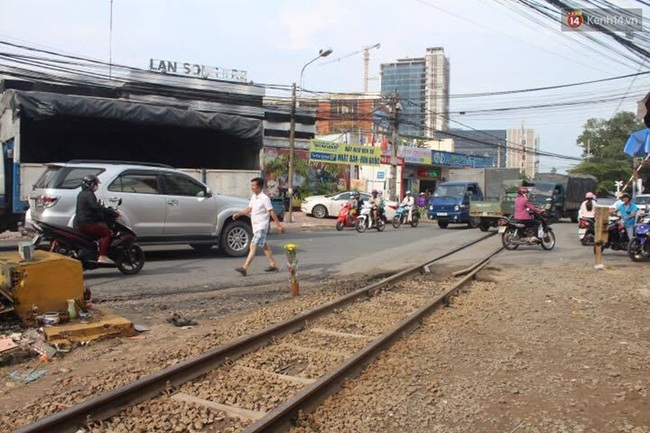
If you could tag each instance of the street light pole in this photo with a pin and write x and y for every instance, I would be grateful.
(292, 129)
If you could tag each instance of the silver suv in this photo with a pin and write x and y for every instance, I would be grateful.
(162, 205)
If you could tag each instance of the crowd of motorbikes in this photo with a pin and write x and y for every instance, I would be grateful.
(364, 220)
(637, 248)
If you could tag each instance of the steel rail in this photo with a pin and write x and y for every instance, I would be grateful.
(113, 402)
(282, 417)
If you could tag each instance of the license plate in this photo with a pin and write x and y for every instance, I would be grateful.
(442, 213)
(581, 232)
(502, 229)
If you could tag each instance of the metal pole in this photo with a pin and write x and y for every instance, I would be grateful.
(292, 142)
(392, 186)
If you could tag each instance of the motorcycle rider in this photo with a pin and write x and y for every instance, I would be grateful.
(91, 216)
(627, 210)
(357, 203)
(375, 204)
(523, 210)
(409, 204)
(588, 208)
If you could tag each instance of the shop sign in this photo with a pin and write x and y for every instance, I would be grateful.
(342, 153)
(415, 155)
(385, 160)
(450, 159)
(195, 70)
(432, 172)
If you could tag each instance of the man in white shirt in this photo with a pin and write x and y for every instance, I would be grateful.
(259, 208)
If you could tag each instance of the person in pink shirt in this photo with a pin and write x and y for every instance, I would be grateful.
(523, 209)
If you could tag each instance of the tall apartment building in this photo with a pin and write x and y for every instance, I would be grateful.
(423, 88)
(523, 145)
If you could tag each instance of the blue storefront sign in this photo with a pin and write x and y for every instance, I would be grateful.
(459, 160)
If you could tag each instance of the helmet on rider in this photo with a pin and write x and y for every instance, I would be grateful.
(89, 181)
(407, 193)
(357, 195)
(590, 196)
(374, 192)
(522, 190)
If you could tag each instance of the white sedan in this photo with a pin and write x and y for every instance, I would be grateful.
(322, 206)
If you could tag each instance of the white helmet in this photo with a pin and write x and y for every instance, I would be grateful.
(408, 193)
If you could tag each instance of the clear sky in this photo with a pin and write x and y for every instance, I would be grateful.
(493, 45)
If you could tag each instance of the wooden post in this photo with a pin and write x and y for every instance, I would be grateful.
(600, 235)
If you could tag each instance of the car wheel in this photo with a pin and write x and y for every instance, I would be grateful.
(202, 248)
(235, 238)
(442, 224)
(319, 211)
(473, 223)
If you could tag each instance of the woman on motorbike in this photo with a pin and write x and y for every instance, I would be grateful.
(523, 210)
(91, 216)
(588, 207)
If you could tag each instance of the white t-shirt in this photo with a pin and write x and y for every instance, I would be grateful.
(260, 206)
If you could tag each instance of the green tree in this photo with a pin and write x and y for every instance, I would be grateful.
(602, 142)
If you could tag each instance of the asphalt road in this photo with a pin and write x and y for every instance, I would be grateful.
(326, 253)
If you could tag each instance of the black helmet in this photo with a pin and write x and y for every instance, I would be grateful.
(89, 181)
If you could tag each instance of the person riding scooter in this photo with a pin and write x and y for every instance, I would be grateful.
(91, 215)
(409, 204)
(523, 210)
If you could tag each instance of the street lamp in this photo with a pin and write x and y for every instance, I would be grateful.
(292, 130)
(321, 53)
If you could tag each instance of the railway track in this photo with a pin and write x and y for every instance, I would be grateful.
(298, 363)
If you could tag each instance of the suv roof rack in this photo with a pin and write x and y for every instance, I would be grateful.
(102, 161)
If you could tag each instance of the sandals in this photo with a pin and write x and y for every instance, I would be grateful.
(242, 271)
(271, 269)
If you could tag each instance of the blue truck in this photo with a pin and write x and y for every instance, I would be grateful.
(451, 200)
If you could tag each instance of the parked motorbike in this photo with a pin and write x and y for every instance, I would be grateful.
(515, 233)
(639, 247)
(586, 232)
(364, 220)
(402, 214)
(347, 218)
(127, 255)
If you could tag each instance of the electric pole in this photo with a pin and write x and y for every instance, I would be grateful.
(392, 182)
(292, 141)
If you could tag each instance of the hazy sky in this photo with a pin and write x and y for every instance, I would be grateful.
(493, 45)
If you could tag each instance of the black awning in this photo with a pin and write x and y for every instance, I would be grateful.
(43, 105)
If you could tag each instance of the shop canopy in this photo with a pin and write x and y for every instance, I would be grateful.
(42, 105)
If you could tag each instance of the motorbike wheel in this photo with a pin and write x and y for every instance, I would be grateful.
(360, 226)
(548, 241)
(397, 221)
(381, 225)
(635, 251)
(132, 260)
(339, 226)
(508, 239)
(587, 239)
(415, 220)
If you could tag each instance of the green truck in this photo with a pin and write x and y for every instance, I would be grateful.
(564, 193)
(489, 211)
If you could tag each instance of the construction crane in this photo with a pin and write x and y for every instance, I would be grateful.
(366, 60)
